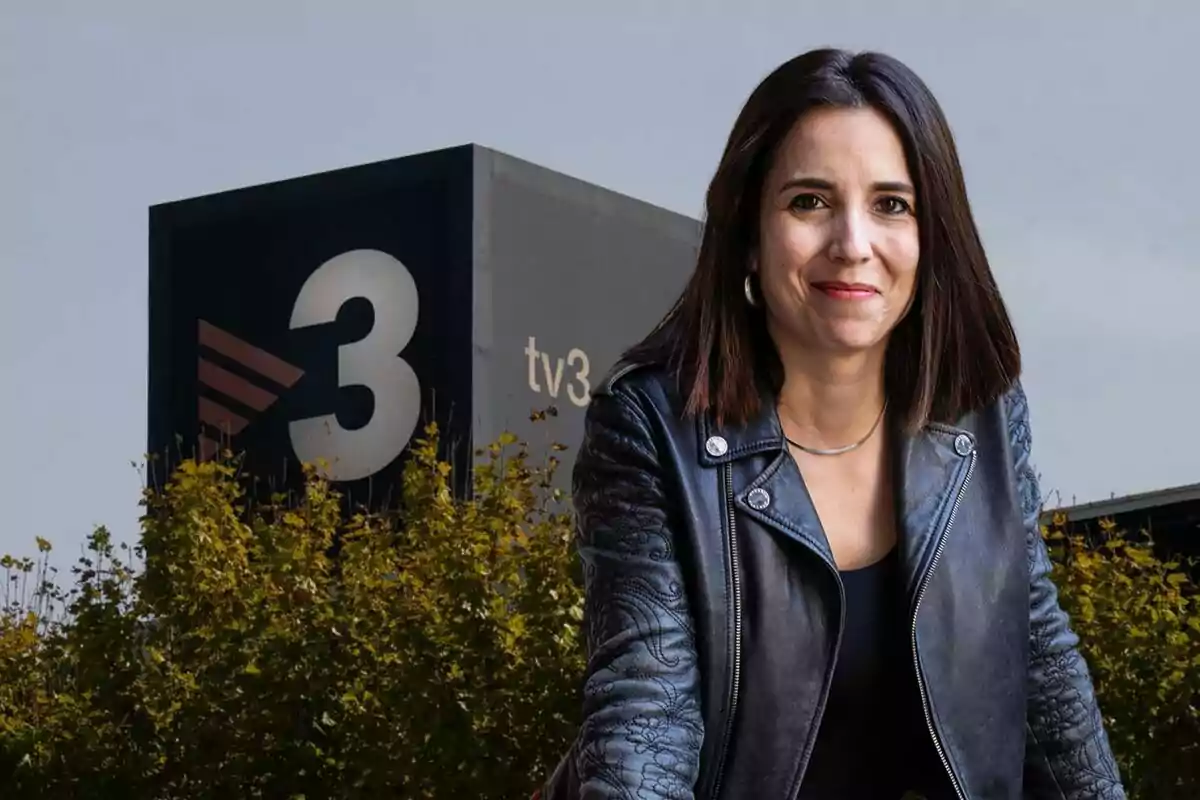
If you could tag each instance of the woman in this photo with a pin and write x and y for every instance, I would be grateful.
(807, 514)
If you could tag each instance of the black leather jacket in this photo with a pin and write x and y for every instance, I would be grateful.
(714, 609)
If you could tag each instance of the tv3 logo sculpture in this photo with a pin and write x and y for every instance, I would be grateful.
(371, 362)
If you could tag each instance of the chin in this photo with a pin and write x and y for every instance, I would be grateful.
(850, 339)
(832, 336)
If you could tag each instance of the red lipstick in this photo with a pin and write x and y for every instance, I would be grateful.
(840, 290)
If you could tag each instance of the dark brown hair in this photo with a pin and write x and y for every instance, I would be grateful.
(953, 353)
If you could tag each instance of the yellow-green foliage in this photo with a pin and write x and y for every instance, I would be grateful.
(435, 655)
(1138, 618)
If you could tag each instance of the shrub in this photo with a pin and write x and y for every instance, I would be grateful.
(1138, 618)
(276, 649)
(436, 654)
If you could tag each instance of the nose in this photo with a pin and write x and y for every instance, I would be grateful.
(851, 242)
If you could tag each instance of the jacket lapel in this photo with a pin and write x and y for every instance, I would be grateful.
(774, 495)
(928, 469)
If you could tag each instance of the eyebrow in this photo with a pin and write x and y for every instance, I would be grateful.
(824, 185)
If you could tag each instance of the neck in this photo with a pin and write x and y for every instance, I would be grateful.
(830, 401)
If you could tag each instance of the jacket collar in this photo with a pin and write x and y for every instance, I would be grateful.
(764, 434)
(928, 467)
(723, 444)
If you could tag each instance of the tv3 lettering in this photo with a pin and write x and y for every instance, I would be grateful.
(552, 370)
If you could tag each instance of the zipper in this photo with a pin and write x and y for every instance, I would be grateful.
(736, 583)
(937, 742)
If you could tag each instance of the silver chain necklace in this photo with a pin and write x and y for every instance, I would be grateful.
(837, 451)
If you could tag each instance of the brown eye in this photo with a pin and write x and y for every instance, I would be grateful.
(807, 202)
(894, 206)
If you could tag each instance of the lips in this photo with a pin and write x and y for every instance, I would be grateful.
(846, 291)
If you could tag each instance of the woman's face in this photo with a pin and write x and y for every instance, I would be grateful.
(838, 252)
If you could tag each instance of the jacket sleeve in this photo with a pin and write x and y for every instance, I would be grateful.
(642, 725)
(1067, 754)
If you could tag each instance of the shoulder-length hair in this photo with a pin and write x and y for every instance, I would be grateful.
(953, 353)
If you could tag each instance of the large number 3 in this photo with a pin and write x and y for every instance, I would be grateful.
(373, 362)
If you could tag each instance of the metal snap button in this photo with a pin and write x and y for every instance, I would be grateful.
(716, 446)
(758, 499)
(963, 445)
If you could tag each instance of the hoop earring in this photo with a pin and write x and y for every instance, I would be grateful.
(748, 288)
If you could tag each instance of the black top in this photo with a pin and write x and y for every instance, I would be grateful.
(874, 742)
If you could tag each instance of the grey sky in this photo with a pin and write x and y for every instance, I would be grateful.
(1077, 129)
